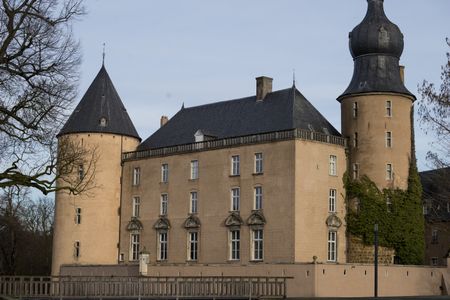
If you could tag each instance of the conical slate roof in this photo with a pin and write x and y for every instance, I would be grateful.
(100, 110)
(280, 110)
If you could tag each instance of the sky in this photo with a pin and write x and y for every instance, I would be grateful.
(161, 54)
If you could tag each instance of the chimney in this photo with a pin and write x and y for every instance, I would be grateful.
(402, 73)
(164, 120)
(263, 87)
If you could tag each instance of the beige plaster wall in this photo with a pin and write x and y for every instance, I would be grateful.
(214, 201)
(98, 232)
(312, 185)
(371, 124)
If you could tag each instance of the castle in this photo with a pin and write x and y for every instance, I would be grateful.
(249, 182)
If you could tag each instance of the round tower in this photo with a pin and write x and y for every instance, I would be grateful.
(86, 228)
(376, 108)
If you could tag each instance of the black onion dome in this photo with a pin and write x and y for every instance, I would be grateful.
(376, 34)
(376, 45)
(100, 110)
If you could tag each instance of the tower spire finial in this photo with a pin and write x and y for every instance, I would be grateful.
(293, 77)
(103, 55)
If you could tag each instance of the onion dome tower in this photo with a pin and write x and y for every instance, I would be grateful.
(87, 225)
(376, 107)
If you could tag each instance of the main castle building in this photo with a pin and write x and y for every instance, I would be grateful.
(251, 181)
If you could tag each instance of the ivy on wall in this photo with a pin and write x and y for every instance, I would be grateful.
(398, 214)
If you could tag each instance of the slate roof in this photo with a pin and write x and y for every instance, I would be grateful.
(280, 110)
(436, 193)
(101, 100)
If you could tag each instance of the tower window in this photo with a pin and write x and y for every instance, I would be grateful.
(235, 199)
(388, 108)
(332, 242)
(136, 176)
(332, 200)
(388, 139)
(258, 163)
(136, 206)
(434, 236)
(258, 197)
(165, 173)
(235, 165)
(194, 169)
(194, 203)
(355, 109)
(76, 249)
(355, 169)
(164, 204)
(103, 122)
(355, 140)
(333, 165)
(78, 215)
(80, 172)
(389, 172)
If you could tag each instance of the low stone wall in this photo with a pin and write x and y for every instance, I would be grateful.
(357, 252)
(309, 280)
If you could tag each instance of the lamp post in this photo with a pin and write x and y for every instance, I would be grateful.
(375, 231)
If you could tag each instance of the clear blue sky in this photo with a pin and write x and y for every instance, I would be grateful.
(160, 54)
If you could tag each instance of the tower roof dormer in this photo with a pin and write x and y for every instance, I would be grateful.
(100, 110)
(376, 45)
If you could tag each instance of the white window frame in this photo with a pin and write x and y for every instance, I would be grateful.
(136, 176)
(78, 215)
(333, 165)
(136, 206)
(388, 139)
(258, 192)
(434, 236)
(259, 163)
(193, 207)
(163, 245)
(164, 204)
(194, 169)
(389, 171)
(257, 244)
(388, 108)
(235, 165)
(355, 170)
(235, 199)
(235, 244)
(76, 249)
(434, 261)
(355, 110)
(332, 246)
(135, 239)
(165, 173)
(332, 193)
(193, 246)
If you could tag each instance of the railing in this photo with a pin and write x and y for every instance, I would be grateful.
(147, 287)
(237, 141)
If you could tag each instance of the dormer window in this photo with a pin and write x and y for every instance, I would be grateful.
(103, 122)
(202, 135)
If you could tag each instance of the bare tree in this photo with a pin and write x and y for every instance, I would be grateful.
(39, 62)
(434, 111)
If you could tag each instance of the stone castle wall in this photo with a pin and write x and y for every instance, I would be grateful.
(357, 252)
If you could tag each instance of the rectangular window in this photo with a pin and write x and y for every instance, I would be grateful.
(425, 209)
(80, 172)
(76, 249)
(162, 246)
(434, 236)
(164, 204)
(258, 163)
(333, 165)
(134, 246)
(448, 207)
(194, 169)
(235, 199)
(388, 139)
(235, 244)
(332, 200)
(355, 170)
(165, 173)
(355, 140)
(136, 176)
(121, 257)
(388, 204)
(355, 109)
(434, 261)
(194, 203)
(193, 245)
(257, 244)
(331, 246)
(258, 197)
(235, 164)
(389, 172)
(136, 206)
(78, 215)
(388, 108)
